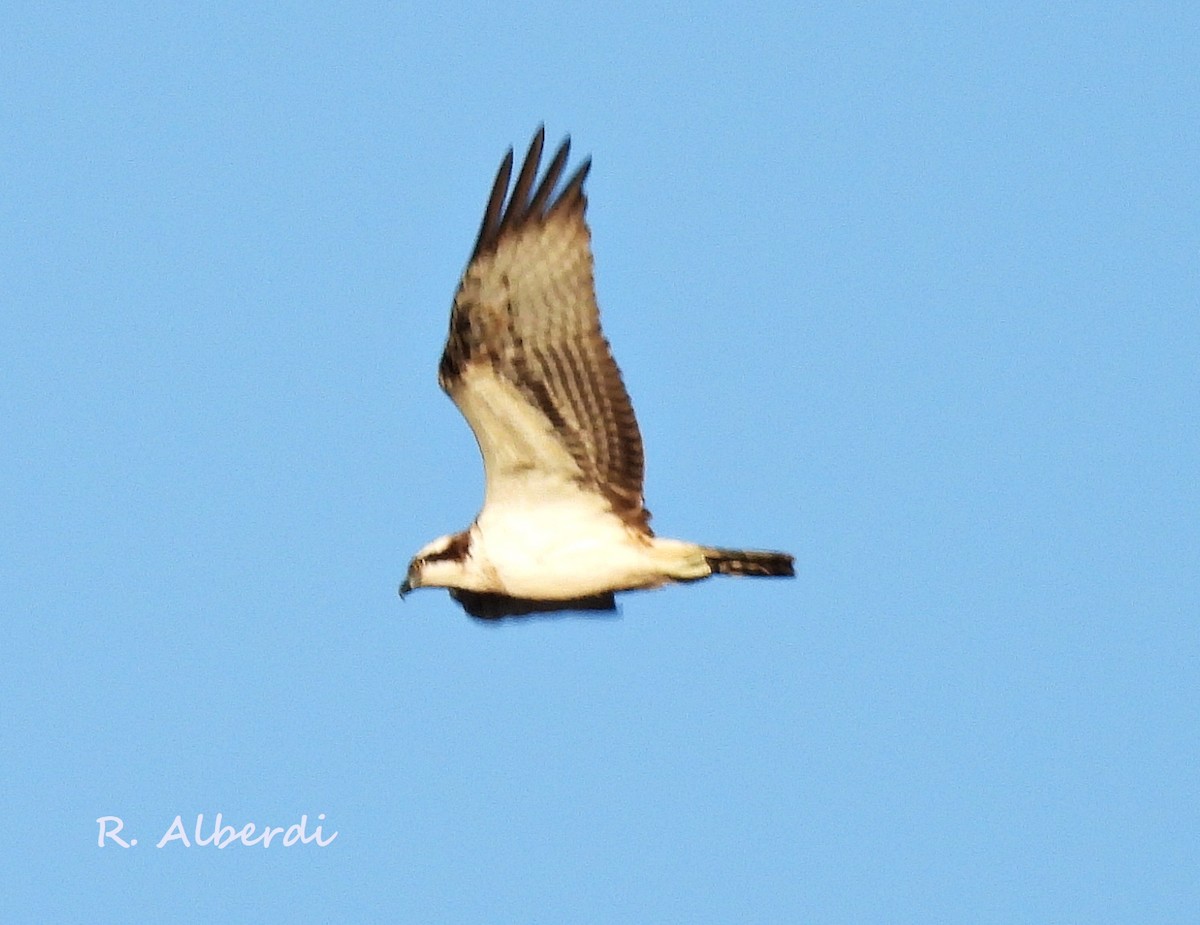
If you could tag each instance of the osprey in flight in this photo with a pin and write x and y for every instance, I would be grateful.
(563, 524)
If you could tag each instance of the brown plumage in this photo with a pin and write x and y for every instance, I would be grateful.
(750, 562)
(486, 606)
(526, 308)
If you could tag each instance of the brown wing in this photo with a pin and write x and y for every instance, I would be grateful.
(485, 606)
(525, 327)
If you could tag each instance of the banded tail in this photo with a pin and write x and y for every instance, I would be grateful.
(750, 562)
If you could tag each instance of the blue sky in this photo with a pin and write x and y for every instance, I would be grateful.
(909, 292)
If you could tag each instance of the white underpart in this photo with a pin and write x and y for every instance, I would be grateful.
(525, 461)
(541, 535)
(573, 548)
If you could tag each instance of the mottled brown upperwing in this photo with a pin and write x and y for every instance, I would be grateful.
(485, 606)
(526, 307)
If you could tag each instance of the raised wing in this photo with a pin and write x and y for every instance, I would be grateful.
(526, 361)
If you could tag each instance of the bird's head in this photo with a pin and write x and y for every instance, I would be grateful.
(439, 564)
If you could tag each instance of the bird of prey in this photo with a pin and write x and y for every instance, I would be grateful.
(563, 524)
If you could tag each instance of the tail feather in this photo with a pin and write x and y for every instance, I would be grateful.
(750, 562)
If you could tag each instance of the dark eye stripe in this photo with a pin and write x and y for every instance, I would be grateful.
(456, 550)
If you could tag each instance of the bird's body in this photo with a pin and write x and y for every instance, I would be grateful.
(564, 551)
(563, 524)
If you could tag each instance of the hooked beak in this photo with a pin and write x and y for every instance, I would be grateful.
(405, 587)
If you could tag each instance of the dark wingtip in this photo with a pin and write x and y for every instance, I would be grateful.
(521, 207)
(572, 193)
(518, 201)
(493, 213)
